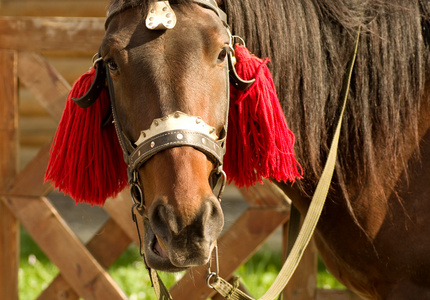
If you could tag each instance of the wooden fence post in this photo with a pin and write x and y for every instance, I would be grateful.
(9, 226)
(303, 283)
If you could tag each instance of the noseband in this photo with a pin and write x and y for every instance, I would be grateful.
(176, 129)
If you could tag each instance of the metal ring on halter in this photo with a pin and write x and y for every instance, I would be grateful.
(216, 175)
(210, 273)
(94, 57)
(208, 279)
(137, 193)
(95, 61)
(230, 37)
(233, 37)
(223, 184)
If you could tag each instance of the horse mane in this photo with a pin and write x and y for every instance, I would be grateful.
(310, 43)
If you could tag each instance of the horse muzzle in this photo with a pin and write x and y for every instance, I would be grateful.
(181, 223)
(172, 245)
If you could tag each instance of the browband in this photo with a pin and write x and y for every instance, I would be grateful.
(116, 8)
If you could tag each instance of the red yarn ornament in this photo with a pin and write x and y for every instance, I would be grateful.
(259, 142)
(86, 160)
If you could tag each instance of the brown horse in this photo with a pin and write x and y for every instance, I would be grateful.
(374, 232)
(154, 75)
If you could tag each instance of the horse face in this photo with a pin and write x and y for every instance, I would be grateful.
(154, 74)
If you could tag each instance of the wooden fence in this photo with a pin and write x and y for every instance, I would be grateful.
(23, 193)
(65, 8)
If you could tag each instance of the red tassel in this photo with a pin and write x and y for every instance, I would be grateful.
(86, 160)
(259, 143)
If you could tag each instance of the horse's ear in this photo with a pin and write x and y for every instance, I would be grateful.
(259, 143)
(86, 159)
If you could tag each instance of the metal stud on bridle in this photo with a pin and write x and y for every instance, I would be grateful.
(160, 16)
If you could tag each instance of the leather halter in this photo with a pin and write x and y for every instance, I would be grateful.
(136, 154)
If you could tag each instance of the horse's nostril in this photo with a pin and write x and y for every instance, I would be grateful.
(212, 217)
(163, 220)
(209, 211)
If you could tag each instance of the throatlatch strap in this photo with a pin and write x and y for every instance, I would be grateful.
(225, 289)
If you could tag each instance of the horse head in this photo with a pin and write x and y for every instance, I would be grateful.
(168, 71)
(170, 90)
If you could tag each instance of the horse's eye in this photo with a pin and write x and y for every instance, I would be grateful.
(113, 67)
(222, 55)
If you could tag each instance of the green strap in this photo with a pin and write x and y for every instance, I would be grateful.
(230, 292)
(160, 289)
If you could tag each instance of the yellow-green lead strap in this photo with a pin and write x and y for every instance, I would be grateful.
(160, 289)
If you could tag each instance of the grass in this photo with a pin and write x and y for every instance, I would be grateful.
(36, 272)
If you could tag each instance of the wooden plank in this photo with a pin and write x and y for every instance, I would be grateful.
(265, 195)
(30, 181)
(70, 65)
(9, 226)
(59, 289)
(45, 83)
(87, 277)
(51, 90)
(119, 209)
(36, 132)
(106, 245)
(51, 33)
(8, 116)
(109, 243)
(94, 8)
(336, 295)
(303, 283)
(9, 254)
(247, 233)
(28, 106)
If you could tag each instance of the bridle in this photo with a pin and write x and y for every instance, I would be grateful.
(177, 129)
